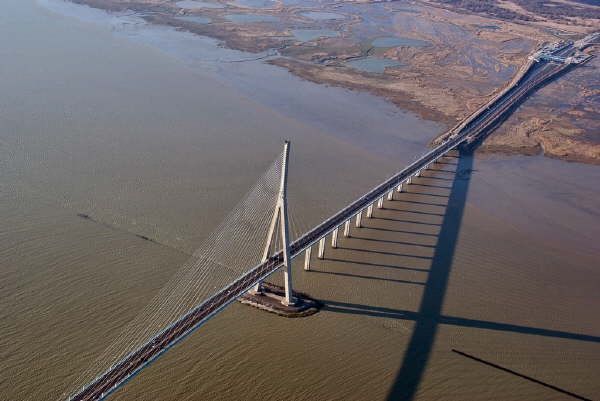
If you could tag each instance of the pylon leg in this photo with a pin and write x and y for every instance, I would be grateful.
(285, 234)
(287, 278)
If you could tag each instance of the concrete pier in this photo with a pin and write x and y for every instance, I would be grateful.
(380, 203)
(370, 211)
(347, 229)
(307, 258)
(321, 253)
(390, 195)
(334, 238)
(359, 219)
(399, 187)
(272, 299)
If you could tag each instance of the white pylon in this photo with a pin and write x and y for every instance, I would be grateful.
(280, 215)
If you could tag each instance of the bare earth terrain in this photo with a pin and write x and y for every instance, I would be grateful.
(441, 59)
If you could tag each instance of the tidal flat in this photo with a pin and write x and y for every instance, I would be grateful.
(454, 60)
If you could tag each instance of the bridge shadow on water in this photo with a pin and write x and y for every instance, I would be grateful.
(429, 316)
(427, 319)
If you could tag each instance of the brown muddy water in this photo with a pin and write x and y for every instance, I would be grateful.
(105, 116)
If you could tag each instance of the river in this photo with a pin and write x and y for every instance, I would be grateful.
(159, 133)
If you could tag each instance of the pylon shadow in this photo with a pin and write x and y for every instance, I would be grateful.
(426, 322)
(429, 316)
(393, 280)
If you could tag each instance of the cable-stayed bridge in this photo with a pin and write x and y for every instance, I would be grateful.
(234, 260)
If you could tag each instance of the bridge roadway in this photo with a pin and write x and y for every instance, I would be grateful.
(488, 118)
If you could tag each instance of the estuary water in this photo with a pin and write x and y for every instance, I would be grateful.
(159, 133)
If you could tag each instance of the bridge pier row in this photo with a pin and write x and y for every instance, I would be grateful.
(370, 211)
(380, 203)
(390, 195)
(359, 220)
(321, 253)
(347, 229)
(307, 258)
(334, 238)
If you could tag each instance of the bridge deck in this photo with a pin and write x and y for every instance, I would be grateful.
(478, 126)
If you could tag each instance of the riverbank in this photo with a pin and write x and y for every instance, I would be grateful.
(448, 63)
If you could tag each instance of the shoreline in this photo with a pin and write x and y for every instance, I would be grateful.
(420, 86)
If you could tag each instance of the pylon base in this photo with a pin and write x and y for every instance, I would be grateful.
(271, 298)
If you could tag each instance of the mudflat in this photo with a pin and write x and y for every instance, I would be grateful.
(441, 60)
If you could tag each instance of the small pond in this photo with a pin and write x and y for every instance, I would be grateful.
(321, 15)
(406, 10)
(306, 35)
(373, 64)
(191, 4)
(395, 41)
(250, 18)
(194, 18)
(257, 3)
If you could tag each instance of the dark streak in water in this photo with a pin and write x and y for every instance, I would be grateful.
(145, 238)
(560, 390)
